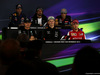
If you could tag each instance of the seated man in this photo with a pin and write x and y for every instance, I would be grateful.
(17, 18)
(63, 19)
(51, 33)
(39, 19)
(76, 33)
(32, 34)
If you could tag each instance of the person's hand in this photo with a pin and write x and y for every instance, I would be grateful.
(21, 24)
(40, 24)
(32, 38)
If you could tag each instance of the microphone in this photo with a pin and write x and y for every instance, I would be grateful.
(65, 37)
(62, 38)
(45, 24)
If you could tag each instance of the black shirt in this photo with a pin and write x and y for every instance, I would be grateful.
(29, 32)
(15, 19)
(52, 34)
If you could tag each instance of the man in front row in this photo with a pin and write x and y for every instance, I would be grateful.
(76, 33)
(32, 34)
(51, 33)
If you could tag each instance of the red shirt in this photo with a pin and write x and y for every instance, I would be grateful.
(76, 35)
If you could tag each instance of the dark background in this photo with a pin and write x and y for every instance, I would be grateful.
(75, 8)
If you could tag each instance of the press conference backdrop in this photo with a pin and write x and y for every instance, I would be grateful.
(86, 11)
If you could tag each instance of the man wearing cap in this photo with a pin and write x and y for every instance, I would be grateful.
(63, 19)
(76, 33)
(17, 18)
(51, 33)
(32, 34)
(39, 19)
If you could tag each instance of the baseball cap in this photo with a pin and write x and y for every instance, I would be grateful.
(18, 6)
(64, 11)
(75, 21)
(27, 20)
(51, 17)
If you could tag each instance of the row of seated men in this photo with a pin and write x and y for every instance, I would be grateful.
(50, 33)
(39, 19)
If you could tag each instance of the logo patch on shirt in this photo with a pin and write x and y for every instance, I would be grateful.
(60, 20)
(56, 34)
(80, 34)
(35, 21)
(14, 14)
(31, 33)
(48, 32)
(22, 18)
(73, 34)
(15, 18)
(66, 21)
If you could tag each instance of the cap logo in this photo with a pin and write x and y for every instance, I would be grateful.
(19, 5)
(63, 10)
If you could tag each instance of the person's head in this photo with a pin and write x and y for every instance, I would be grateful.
(23, 38)
(51, 21)
(19, 8)
(75, 24)
(39, 12)
(34, 49)
(27, 22)
(87, 60)
(63, 13)
(9, 50)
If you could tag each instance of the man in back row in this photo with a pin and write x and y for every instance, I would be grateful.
(63, 19)
(17, 18)
(39, 19)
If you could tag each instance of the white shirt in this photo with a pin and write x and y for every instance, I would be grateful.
(40, 21)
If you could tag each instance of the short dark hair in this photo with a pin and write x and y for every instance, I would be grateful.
(23, 39)
(39, 8)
